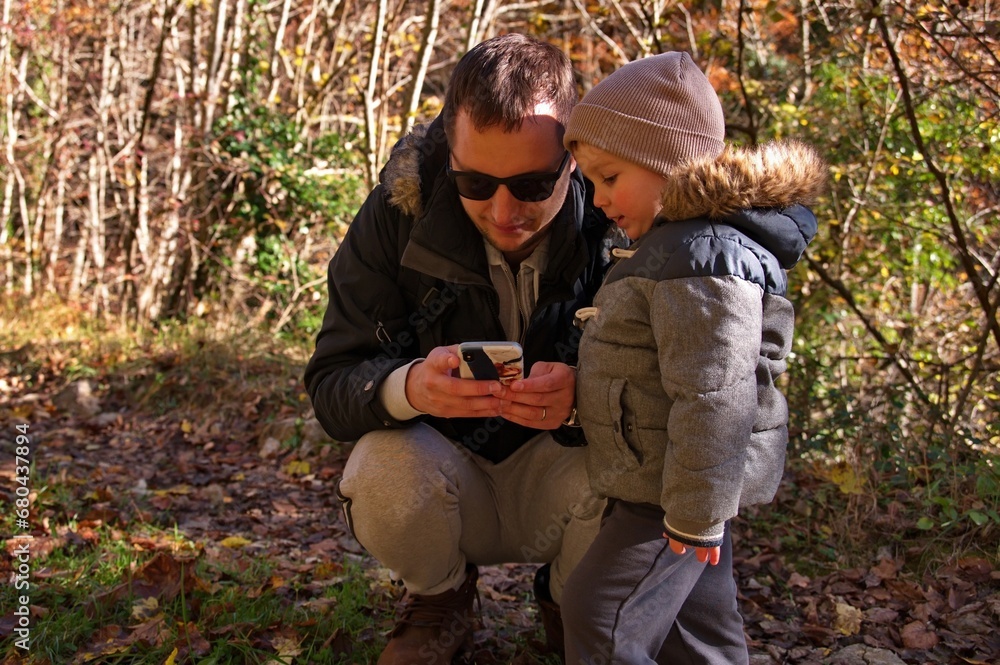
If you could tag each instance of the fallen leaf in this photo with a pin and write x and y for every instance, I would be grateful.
(848, 619)
(282, 507)
(152, 633)
(957, 598)
(191, 640)
(916, 635)
(162, 578)
(882, 615)
(818, 634)
(106, 641)
(297, 468)
(235, 542)
(887, 568)
(846, 478)
(269, 448)
(976, 569)
(320, 605)
(145, 608)
(159, 542)
(327, 570)
(772, 627)
(287, 646)
(161, 502)
(797, 580)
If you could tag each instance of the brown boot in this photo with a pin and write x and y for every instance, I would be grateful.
(551, 614)
(432, 629)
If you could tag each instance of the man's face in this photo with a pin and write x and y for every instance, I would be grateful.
(512, 226)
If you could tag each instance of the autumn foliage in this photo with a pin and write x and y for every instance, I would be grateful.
(194, 163)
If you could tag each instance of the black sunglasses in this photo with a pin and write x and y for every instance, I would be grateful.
(527, 187)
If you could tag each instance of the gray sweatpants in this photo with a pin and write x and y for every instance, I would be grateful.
(632, 600)
(423, 506)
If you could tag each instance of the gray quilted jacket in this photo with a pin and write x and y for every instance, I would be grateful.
(676, 384)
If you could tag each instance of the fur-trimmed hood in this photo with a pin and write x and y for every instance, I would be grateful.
(772, 175)
(402, 175)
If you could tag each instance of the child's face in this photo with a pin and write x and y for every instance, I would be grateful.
(627, 193)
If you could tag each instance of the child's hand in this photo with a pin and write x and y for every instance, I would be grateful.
(704, 554)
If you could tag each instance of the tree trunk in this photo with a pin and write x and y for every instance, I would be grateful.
(371, 127)
(6, 254)
(6, 76)
(426, 51)
(279, 39)
(56, 237)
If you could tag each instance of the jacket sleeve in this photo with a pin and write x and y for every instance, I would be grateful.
(354, 354)
(707, 332)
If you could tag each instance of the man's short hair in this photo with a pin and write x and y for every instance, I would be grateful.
(500, 81)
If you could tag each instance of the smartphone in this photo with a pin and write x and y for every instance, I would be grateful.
(497, 361)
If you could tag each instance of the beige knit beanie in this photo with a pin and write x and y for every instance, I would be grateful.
(655, 112)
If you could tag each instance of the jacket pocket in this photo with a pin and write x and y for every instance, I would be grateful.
(623, 423)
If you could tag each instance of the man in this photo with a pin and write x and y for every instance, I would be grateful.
(482, 229)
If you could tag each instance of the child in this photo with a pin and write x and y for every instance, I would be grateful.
(675, 388)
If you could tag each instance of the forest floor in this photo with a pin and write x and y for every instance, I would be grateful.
(182, 511)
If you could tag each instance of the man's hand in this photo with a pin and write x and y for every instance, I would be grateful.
(432, 388)
(704, 554)
(544, 399)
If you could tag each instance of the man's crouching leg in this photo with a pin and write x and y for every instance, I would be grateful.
(559, 519)
(401, 498)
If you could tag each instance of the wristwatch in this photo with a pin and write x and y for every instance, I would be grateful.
(572, 420)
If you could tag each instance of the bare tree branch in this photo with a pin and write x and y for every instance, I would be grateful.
(964, 254)
(889, 349)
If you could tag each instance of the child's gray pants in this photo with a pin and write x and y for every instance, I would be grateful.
(632, 600)
(423, 506)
